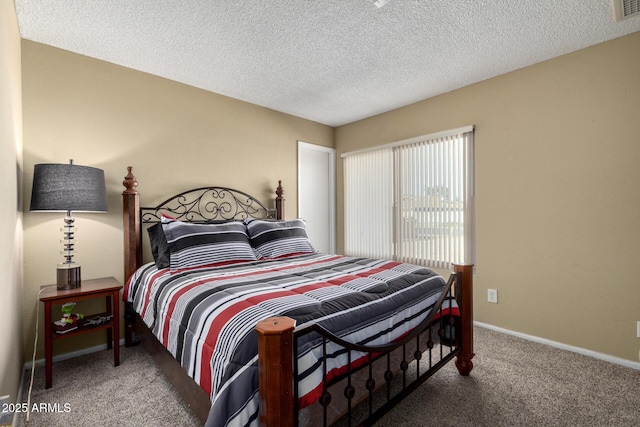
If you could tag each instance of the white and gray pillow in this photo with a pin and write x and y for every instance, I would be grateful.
(275, 239)
(203, 245)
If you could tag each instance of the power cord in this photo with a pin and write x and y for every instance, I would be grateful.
(35, 346)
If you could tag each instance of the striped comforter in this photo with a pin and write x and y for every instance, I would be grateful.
(206, 317)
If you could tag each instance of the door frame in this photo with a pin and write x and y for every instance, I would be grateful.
(332, 187)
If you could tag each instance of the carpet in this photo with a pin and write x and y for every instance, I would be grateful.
(514, 382)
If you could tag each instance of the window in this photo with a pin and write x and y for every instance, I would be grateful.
(413, 200)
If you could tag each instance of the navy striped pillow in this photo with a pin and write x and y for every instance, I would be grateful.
(274, 239)
(204, 245)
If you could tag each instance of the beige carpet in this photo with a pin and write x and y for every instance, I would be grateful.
(514, 383)
(135, 393)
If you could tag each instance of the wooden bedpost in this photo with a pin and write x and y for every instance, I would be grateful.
(132, 247)
(279, 201)
(465, 302)
(275, 365)
(131, 224)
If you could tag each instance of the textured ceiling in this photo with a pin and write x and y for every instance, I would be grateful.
(332, 61)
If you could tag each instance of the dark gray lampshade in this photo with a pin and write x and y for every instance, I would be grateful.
(68, 187)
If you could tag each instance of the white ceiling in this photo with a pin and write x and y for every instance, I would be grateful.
(331, 61)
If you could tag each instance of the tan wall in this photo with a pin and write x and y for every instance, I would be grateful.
(557, 175)
(175, 136)
(11, 224)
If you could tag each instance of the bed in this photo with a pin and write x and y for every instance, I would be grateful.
(253, 327)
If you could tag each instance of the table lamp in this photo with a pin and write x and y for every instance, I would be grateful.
(68, 188)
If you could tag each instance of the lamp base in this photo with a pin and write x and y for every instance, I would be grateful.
(68, 275)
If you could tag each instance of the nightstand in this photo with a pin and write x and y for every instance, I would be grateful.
(106, 287)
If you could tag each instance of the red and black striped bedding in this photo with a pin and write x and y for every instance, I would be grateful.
(206, 317)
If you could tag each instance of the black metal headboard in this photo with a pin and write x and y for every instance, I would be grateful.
(208, 204)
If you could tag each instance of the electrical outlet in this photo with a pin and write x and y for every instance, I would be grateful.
(492, 296)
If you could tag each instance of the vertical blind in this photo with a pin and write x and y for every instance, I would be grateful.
(368, 183)
(412, 201)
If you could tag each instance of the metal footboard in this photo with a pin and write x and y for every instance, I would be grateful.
(378, 377)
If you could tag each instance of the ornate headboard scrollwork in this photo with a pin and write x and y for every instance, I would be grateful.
(208, 204)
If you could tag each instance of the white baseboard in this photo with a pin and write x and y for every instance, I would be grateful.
(579, 350)
(16, 414)
(70, 355)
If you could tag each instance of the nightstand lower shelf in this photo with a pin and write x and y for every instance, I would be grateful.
(83, 326)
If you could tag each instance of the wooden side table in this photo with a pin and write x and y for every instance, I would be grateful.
(107, 287)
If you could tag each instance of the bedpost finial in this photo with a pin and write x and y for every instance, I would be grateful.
(279, 190)
(130, 182)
